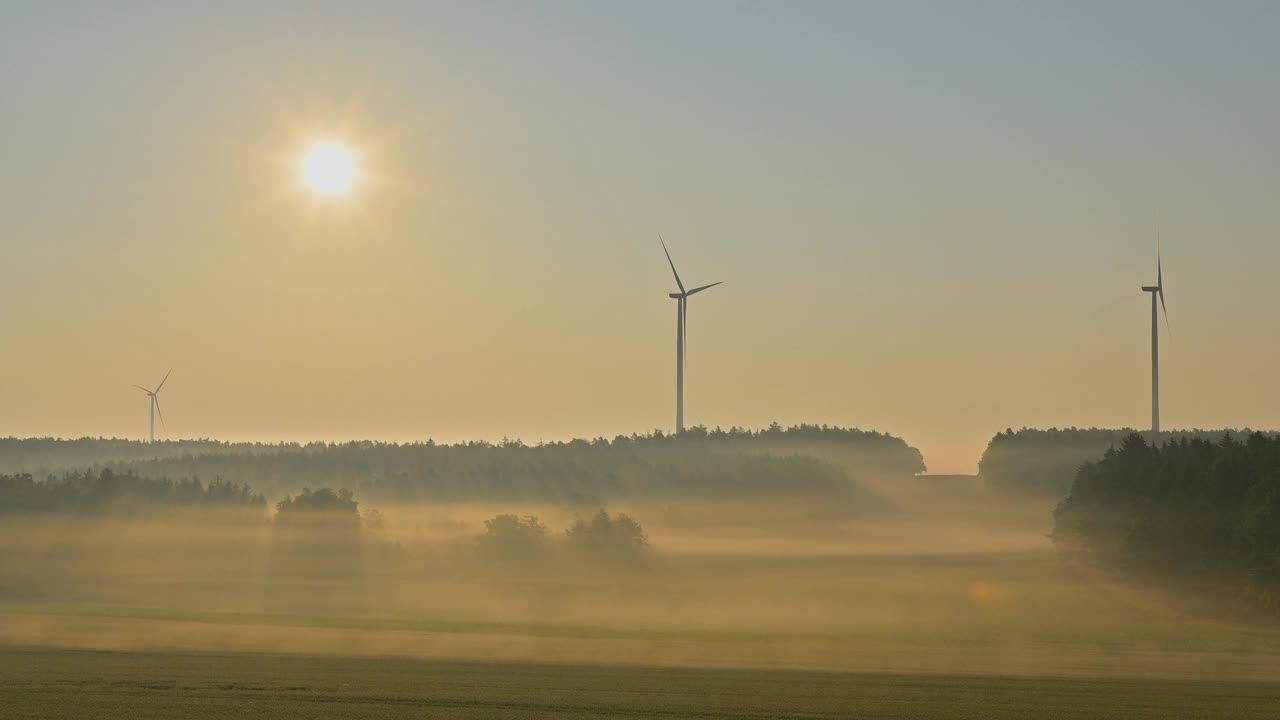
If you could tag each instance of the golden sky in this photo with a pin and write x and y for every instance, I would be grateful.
(930, 220)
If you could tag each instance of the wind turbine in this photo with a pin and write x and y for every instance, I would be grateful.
(155, 403)
(1156, 290)
(682, 314)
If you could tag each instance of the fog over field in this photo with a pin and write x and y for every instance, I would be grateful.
(893, 571)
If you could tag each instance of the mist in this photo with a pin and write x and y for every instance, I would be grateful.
(867, 569)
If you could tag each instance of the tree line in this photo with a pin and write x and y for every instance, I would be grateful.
(1044, 462)
(1190, 507)
(107, 490)
(804, 459)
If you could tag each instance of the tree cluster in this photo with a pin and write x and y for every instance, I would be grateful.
(316, 559)
(601, 540)
(106, 490)
(1044, 462)
(1189, 507)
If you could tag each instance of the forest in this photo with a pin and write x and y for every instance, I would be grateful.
(800, 460)
(1190, 508)
(99, 491)
(1044, 462)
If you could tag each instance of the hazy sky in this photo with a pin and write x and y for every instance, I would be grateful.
(931, 219)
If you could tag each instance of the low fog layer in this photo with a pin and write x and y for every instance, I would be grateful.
(901, 572)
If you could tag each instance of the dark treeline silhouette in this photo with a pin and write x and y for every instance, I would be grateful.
(804, 459)
(341, 504)
(607, 536)
(1044, 462)
(44, 456)
(1190, 507)
(106, 490)
(602, 541)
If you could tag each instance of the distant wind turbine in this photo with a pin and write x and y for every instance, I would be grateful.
(682, 314)
(1156, 290)
(155, 403)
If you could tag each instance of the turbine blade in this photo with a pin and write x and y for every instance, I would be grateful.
(143, 389)
(1160, 292)
(155, 399)
(704, 287)
(669, 262)
(1159, 272)
(1166, 313)
(165, 380)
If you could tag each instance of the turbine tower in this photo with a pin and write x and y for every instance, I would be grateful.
(1156, 290)
(682, 314)
(155, 403)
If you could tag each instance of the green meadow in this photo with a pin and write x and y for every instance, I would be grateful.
(52, 684)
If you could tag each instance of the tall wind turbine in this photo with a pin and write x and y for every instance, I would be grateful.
(155, 403)
(1156, 290)
(682, 314)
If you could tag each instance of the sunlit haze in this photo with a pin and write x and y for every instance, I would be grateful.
(931, 220)
(580, 359)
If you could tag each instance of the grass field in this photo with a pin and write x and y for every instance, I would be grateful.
(942, 609)
(86, 684)
(991, 613)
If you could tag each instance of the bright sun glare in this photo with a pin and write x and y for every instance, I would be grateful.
(328, 169)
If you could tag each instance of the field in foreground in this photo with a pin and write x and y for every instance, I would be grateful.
(950, 605)
(79, 684)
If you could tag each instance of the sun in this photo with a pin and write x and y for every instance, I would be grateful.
(328, 169)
